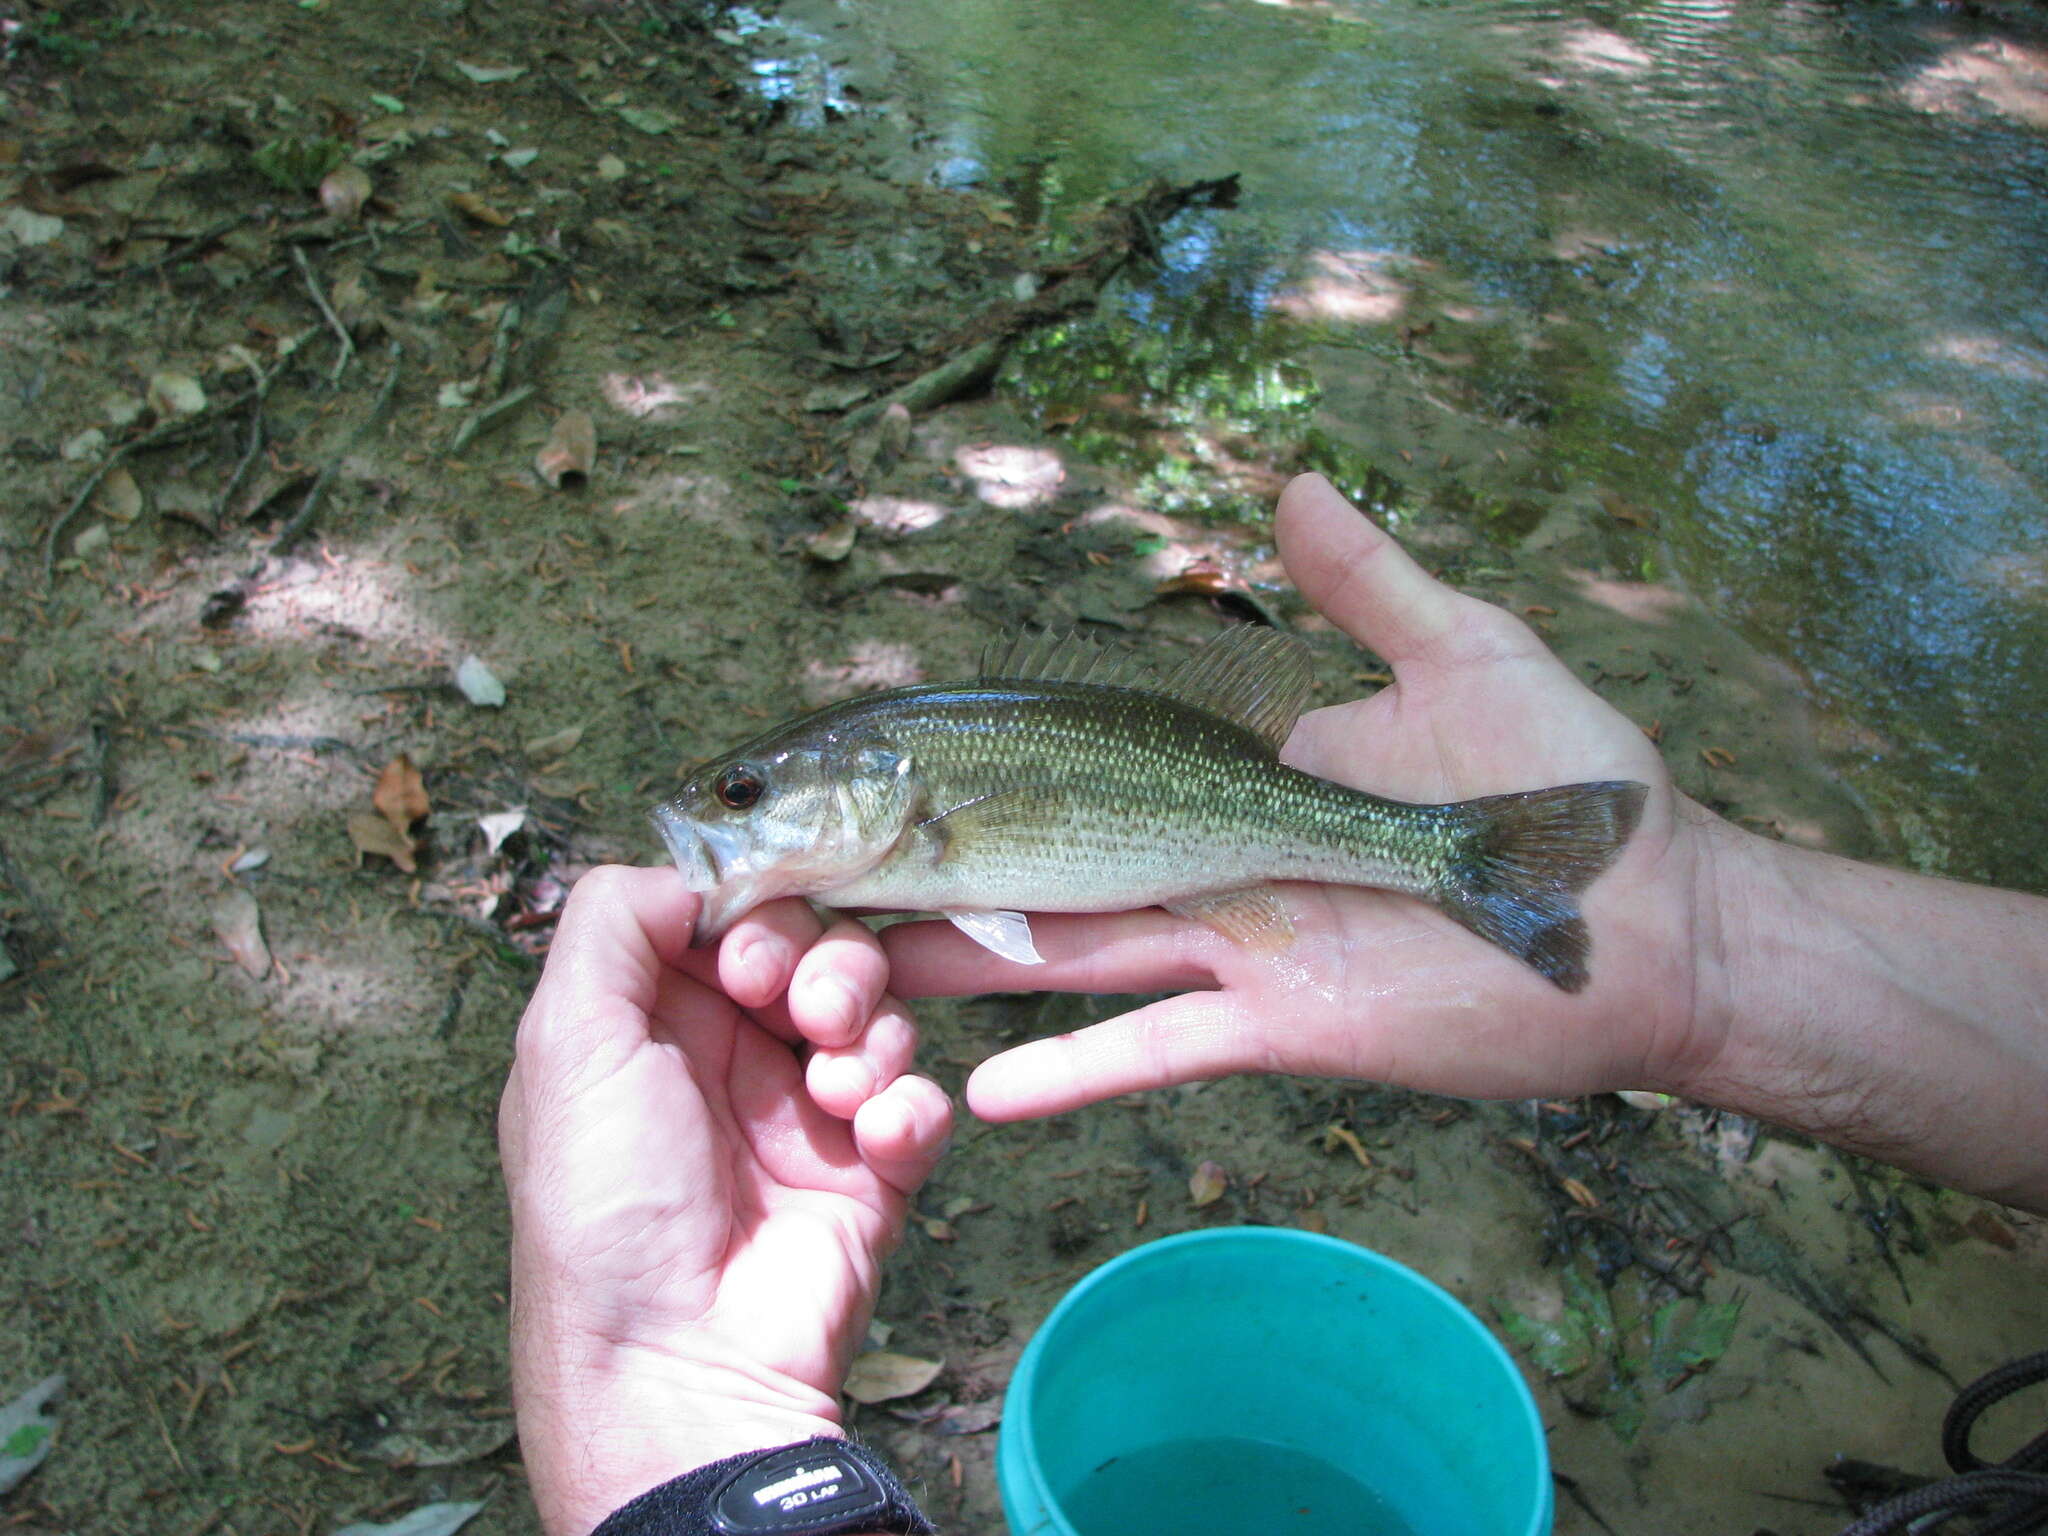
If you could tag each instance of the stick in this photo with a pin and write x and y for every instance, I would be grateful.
(156, 437)
(348, 346)
(256, 436)
(302, 519)
(490, 415)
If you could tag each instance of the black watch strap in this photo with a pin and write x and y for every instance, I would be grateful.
(822, 1487)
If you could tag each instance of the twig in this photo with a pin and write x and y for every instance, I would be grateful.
(156, 437)
(256, 436)
(348, 346)
(302, 519)
(185, 247)
(103, 772)
(490, 415)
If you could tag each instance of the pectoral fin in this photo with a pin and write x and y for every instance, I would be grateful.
(1252, 916)
(1004, 933)
(1022, 815)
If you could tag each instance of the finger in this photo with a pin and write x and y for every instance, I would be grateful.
(1143, 951)
(620, 932)
(760, 952)
(838, 983)
(1360, 579)
(901, 1132)
(1186, 1039)
(843, 1078)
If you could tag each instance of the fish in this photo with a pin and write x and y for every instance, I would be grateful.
(1062, 779)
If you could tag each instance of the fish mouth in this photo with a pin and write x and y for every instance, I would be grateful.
(707, 857)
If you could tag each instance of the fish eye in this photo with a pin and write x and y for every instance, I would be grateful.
(738, 787)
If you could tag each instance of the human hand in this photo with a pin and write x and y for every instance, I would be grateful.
(1379, 986)
(695, 1241)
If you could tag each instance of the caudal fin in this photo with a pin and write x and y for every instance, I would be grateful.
(1524, 860)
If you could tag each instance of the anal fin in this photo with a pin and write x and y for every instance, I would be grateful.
(1251, 915)
(1003, 933)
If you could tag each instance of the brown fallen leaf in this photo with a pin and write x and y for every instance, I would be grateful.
(1988, 1226)
(472, 206)
(1207, 1185)
(120, 498)
(831, 545)
(344, 190)
(881, 1375)
(401, 796)
(560, 744)
(567, 457)
(238, 924)
(371, 833)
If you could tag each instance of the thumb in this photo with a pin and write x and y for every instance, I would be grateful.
(1371, 588)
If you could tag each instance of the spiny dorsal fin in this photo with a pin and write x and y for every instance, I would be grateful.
(1051, 657)
(1256, 676)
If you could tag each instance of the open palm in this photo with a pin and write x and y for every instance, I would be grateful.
(1379, 986)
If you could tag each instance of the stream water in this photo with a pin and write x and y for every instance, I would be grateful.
(1770, 272)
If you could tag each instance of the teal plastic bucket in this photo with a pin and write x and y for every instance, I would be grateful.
(1248, 1381)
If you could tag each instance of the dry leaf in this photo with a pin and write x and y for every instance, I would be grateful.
(831, 545)
(1208, 1184)
(401, 796)
(500, 825)
(479, 684)
(881, 1375)
(344, 190)
(469, 204)
(120, 497)
(1342, 1136)
(1992, 1228)
(238, 924)
(566, 458)
(561, 744)
(371, 833)
(176, 394)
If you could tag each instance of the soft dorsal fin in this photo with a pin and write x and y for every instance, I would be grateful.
(1255, 676)
(1052, 657)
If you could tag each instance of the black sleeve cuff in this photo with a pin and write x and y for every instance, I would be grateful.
(822, 1487)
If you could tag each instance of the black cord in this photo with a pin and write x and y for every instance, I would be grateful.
(2010, 1496)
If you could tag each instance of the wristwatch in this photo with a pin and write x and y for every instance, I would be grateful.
(822, 1487)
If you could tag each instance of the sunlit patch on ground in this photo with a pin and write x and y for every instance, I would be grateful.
(647, 394)
(1012, 476)
(2019, 573)
(1595, 50)
(345, 597)
(1994, 75)
(1915, 408)
(1998, 354)
(899, 514)
(870, 665)
(1645, 602)
(1356, 287)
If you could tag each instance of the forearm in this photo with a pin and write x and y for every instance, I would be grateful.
(1888, 1013)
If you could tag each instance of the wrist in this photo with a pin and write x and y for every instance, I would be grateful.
(600, 1423)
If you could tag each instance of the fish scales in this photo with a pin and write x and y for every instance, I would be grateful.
(1140, 797)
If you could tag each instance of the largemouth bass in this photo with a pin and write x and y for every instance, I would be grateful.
(1057, 781)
